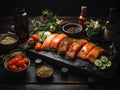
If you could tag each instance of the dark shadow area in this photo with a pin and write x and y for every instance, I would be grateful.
(60, 7)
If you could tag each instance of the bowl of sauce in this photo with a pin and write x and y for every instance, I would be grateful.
(72, 29)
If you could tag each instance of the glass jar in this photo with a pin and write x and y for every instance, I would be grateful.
(21, 24)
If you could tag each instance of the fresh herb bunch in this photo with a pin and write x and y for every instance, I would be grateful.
(95, 29)
(53, 22)
(50, 15)
(48, 21)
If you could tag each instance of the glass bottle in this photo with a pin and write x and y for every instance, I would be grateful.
(21, 24)
(112, 29)
(83, 18)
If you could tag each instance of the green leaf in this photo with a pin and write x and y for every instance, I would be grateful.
(45, 12)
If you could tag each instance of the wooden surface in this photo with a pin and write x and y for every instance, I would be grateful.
(30, 82)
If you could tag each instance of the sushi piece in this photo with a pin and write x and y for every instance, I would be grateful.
(75, 47)
(94, 53)
(46, 43)
(85, 50)
(56, 41)
(64, 45)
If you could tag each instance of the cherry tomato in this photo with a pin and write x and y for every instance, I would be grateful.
(13, 67)
(24, 66)
(20, 68)
(25, 60)
(38, 46)
(19, 57)
(15, 61)
(21, 63)
(10, 63)
(35, 37)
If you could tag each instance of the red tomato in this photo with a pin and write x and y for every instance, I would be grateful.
(24, 66)
(35, 37)
(13, 67)
(20, 68)
(25, 60)
(10, 63)
(19, 57)
(20, 63)
(38, 46)
(15, 61)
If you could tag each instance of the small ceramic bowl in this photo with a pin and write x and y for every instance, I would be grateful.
(16, 65)
(44, 71)
(72, 29)
(9, 41)
(17, 51)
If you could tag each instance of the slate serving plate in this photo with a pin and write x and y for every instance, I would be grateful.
(78, 64)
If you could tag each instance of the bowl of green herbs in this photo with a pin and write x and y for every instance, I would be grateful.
(95, 30)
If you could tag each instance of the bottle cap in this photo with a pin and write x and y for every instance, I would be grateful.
(84, 8)
(20, 10)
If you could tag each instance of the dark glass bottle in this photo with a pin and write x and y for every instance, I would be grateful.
(112, 30)
(21, 24)
(112, 20)
(83, 18)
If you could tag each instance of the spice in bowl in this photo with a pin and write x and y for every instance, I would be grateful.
(9, 41)
(44, 71)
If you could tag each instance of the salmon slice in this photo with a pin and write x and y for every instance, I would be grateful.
(94, 53)
(85, 50)
(46, 43)
(56, 41)
(75, 47)
(64, 45)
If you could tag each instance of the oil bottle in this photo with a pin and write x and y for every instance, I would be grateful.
(83, 18)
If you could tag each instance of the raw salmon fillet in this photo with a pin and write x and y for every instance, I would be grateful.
(94, 53)
(64, 45)
(57, 40)
(85, 50)
(46, 43)
(75, 47)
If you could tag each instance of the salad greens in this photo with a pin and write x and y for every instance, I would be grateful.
(48, 21)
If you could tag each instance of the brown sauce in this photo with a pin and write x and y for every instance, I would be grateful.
(72, 30)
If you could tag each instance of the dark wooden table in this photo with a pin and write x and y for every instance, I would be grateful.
(74, 81)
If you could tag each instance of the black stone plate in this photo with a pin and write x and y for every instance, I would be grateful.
(79, 64)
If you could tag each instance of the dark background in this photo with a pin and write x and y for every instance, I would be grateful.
(60, 7)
